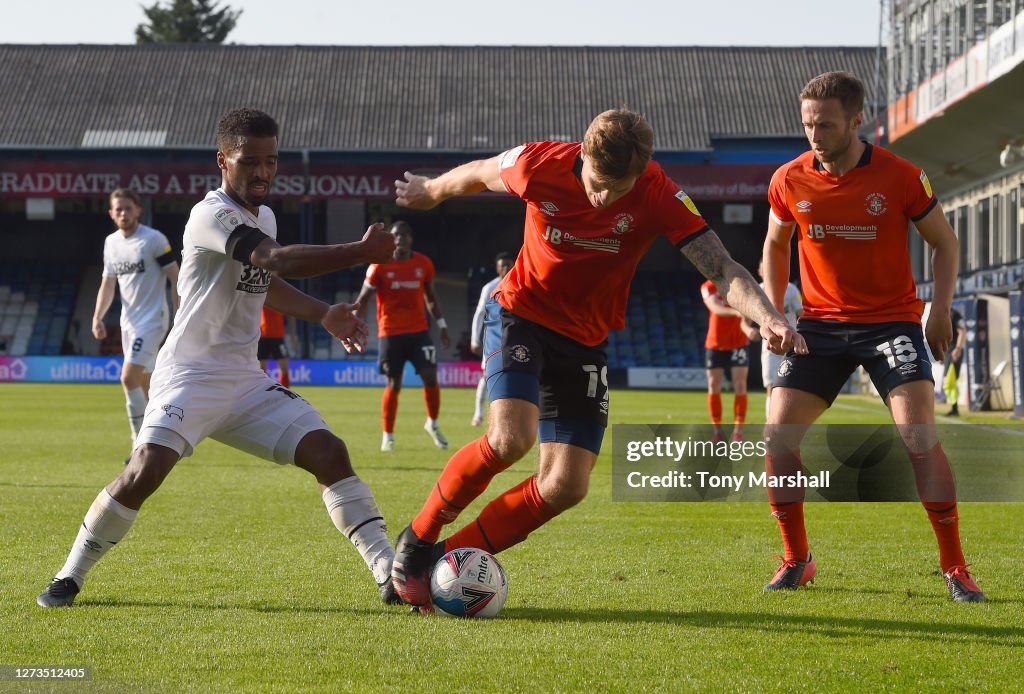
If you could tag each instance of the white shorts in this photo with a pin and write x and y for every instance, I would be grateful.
(250, 412)
(770, 363)
(140, 347)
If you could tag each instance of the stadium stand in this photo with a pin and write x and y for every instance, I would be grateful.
(35, 307)
(662, 326)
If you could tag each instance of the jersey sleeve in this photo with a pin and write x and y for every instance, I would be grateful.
(371, 275)
(920, 199)
(516, 166)
(777, 197)
(160, 249)
(708, 290)
(216, 228)
(428, 270)
(682, 220)
(108, 266)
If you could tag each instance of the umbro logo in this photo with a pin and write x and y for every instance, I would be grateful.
(804, 206)
(549, 208)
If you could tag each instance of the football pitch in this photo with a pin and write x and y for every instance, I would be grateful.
(234, 579)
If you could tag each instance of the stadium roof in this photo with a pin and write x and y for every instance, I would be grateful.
(393, 99)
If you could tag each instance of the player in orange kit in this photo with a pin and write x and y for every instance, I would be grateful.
(850, 204)
(272, 344)
(402, 285)
(725, 348)
(593, 209)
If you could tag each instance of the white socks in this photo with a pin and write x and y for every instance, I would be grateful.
(481, 396)
(106, 522)
(137, 401)
(351, 506)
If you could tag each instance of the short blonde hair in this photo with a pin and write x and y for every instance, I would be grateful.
(125, 193)
(619, 143)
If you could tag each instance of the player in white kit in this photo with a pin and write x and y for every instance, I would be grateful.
(207, 381)
(503, 263)
(137, 259)
(793, 308)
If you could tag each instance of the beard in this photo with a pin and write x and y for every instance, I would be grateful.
(836, 153)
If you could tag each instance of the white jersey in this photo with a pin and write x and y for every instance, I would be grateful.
(218, 323)
(477, 334)
(135, 262)
(792, 304)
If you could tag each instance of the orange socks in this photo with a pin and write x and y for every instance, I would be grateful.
(432, 396)
(937, 490)
(389, 408)
(715, 407)
(789, 512)
(739, 408)
(506, 521)
(464, 478)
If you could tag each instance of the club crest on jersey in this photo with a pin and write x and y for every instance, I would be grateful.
(520, 353)
(227, 218)
(419, 272)
(876, 204)
(623, 223)
(682, 197)
(549, 208)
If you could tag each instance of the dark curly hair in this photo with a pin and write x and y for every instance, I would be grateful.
(242, 123)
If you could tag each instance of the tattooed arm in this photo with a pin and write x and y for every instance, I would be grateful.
(709, 256)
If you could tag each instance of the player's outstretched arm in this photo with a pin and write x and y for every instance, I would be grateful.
(709, 256)
(340, 320)
(301, 260)
(935, 230)
(422, 193)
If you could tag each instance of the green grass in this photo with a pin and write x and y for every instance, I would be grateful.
(234, 579)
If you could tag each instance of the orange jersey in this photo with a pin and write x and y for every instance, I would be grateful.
(573, 273)
(399, 285)
(271, 323)
(724, 332)
(852, 234)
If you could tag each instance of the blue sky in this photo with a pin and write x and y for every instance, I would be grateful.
(516, 22)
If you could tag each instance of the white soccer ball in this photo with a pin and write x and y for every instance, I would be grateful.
(468, 582)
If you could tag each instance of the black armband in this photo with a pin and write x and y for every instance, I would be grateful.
(166, 259)
(693, 237)
(246, 239)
